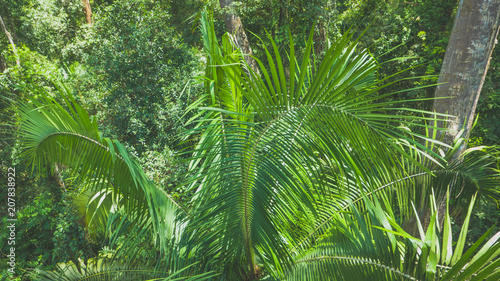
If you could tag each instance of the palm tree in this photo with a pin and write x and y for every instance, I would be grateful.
(294, 174)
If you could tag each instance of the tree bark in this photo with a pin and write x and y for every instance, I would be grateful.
(465, 63)
(463, 72)
(235, 27)
(87, 11)
(18, 63)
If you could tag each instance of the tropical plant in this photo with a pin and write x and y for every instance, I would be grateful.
(115, 190)
(131, 260)
(387, 252)
(139, 72)
(290, 174)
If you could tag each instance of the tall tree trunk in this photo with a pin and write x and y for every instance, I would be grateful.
(465, 63)
(464, 68)
(463, 72)
(87, 11)
(235, 27)
(18, 63)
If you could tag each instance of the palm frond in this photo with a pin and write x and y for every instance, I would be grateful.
(276, 146)
(52, 133)
(353, 251)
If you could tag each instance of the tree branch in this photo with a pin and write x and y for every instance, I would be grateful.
(18, 63)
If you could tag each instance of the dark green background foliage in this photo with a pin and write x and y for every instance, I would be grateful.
(418, 30)
(488, 107)
(141, 67)
(483, 217)
(132, 69)
(48, 228)
(47, 27)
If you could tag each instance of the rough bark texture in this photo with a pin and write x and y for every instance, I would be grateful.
(235, 27)
(463, 72)
(87, 11)
(466, 62)
(18, 63)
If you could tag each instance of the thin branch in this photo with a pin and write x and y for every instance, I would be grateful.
(18, 62)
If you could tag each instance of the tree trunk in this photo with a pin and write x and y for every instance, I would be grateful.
(464, 68)
(463, 72)
(466, 62)
(18, 63)
(235, 27)
(87, 11)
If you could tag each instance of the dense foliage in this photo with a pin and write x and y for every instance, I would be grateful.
(142, 71)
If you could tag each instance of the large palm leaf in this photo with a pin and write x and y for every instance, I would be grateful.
(355, 251)
(282, 146)
(132, 259)
(52, 133)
